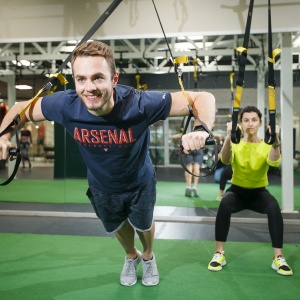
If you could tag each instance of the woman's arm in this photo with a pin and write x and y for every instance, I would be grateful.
(275, 152)
(226, 151)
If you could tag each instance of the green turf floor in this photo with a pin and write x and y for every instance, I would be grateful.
(72, 267)
(73, 191)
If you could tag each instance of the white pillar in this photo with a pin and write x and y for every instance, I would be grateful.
(286, 103)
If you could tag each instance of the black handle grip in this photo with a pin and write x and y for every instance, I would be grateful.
(210, 141)
(269, 138)
(236, 136)
(13, 151)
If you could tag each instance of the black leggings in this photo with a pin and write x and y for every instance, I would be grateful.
(225, 176)
(259, 200)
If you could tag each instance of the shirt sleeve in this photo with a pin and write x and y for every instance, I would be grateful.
(274, 164)
(156, 105)
(53, 105)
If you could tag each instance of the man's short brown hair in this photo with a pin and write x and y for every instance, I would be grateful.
(95, 48)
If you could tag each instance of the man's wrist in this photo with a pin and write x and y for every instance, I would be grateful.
(199, 128)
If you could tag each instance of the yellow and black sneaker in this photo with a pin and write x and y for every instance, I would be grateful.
(280, 265)
(217, 262)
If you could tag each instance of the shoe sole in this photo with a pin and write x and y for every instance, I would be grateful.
(215, 269)
(195, 194)
(126, 284)
(150, 284)
(274, 267)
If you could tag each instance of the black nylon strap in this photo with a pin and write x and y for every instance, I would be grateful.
(53, 81)
(14, 152)
(271, 75)
(236, 132)
(92, 30)
(270, 135)
(209, 141)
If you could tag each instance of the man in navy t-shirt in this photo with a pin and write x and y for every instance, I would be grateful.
(110, 124)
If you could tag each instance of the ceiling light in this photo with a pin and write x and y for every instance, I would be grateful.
(16, 63)
(23, 87)
(67, 49)
(186, 46)
(22, 62)
(25, 63)
(49, 75)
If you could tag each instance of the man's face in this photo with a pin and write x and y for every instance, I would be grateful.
(94, 85)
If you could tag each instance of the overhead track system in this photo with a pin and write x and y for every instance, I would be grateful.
(149, 55)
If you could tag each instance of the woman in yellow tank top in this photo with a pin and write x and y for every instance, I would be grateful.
(250, 160)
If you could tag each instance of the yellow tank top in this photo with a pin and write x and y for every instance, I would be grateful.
(250, 164)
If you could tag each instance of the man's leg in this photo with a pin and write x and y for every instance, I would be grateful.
(147, 238)
(196, 172)
(125, 236)
(150, 271)
(188, 180)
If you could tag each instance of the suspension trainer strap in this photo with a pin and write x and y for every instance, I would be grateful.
(195, 63)
(210, 140)
(51, 85)
(232, 95)
(270, 134)
(236, 132)
(14, 152)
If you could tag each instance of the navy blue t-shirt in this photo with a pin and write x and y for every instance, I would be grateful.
(114, 147)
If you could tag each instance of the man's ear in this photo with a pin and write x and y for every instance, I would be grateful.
(115, 79)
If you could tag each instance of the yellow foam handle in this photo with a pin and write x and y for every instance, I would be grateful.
(183, 91)
(275, 52)
(195, 62)
(61, 78)
(272, 102)
(181, 60)
(238, 96)
(241, 49)
(231, 81)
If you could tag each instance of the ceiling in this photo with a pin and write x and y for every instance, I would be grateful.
(205, 54)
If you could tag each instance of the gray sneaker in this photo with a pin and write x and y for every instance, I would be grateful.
(128, 274)
(195, 192)
(150, 272)
(188, 192)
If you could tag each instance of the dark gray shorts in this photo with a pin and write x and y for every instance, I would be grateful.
(114, 209)
(195, 157)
